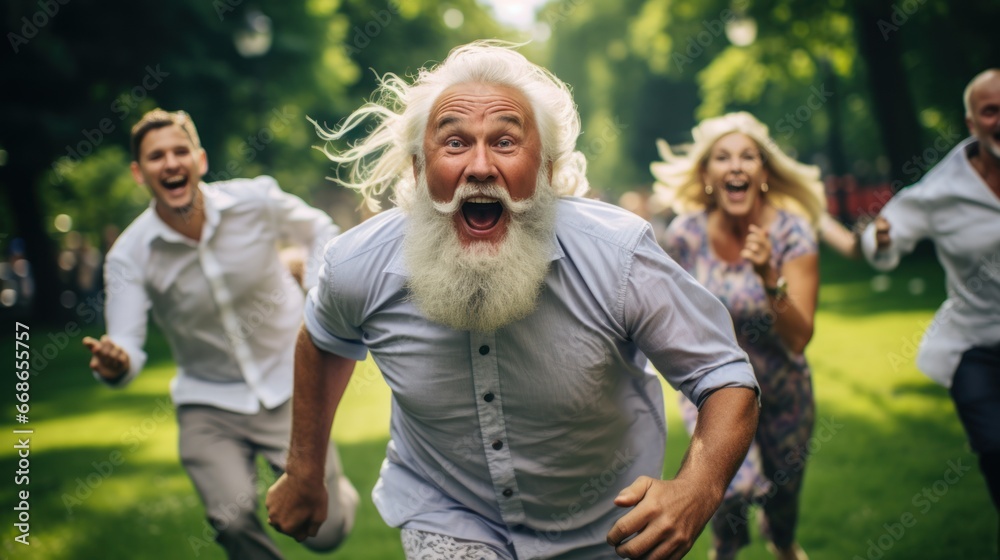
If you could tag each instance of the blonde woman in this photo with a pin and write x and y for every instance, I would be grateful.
(746, 230)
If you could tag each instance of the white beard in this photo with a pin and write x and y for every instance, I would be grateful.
(993, 147)
(479, 287)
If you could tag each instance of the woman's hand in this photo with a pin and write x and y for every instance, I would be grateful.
(757, 250)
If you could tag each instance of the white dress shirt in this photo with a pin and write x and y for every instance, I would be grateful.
(526, 434)
(228, 307)
(956, 209)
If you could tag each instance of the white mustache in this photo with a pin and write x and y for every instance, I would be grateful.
(466, 191)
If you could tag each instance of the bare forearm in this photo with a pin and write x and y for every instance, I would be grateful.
(791, 324)
(843, 240)
(320, 381)
(794, 313)
(726, 425)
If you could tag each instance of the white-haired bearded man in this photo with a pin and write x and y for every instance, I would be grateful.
(512, 322)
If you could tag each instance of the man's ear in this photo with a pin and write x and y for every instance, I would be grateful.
(202, 162)
(551, 165)
(968, 124)
(137, 173)
(416, 170)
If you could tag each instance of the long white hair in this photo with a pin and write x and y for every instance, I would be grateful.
(384, 158)
(792, 185)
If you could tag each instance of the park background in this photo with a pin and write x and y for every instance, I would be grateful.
(870, 90)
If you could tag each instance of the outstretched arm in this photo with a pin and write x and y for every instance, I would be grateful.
(109, 360)
(668, 515)
(841, 239)
(296, 503)
(118, 356)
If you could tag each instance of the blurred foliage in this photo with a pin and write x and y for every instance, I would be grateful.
(250, 110)
(864, 87)
(660, 66)
(83, 71)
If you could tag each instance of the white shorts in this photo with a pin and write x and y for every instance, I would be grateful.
(421, 545)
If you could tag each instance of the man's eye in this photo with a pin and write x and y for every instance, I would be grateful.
(505, 143)
(454, 144)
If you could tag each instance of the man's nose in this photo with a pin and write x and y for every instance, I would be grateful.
(481, 168)
(172, 161)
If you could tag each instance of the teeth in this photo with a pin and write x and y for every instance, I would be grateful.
(481, 200)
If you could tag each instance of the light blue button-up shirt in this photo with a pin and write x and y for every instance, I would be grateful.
(522, 437)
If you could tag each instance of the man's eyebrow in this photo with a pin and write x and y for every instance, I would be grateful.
(511, 119)
(446, 121)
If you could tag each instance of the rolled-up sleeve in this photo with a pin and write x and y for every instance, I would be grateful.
(330, 317)
(681, 327)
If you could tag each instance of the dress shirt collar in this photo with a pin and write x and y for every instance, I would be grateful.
(214, 200)
(969, 148)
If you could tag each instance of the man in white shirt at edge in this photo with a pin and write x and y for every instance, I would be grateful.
(512, 324)
(203, 258)
(957, 206)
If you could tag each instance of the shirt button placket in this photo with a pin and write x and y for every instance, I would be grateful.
(485, 371)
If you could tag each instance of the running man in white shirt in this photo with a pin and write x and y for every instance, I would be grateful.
(957, 205)
(203, 258)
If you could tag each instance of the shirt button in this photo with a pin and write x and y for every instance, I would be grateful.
(488, 397)
(508, 493)
(497, 444)
(484, 349)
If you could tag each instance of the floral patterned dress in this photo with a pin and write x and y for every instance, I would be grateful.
(771, 475)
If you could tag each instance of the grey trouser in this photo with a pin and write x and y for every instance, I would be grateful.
(219, 449)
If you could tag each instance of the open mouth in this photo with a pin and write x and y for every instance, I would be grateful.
(482, 214)
(736, 186)
(174, 183)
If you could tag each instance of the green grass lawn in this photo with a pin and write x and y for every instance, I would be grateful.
(105, 480)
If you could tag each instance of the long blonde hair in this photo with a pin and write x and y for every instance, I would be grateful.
(792, 185)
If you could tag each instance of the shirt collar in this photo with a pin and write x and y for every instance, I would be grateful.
(214, 199)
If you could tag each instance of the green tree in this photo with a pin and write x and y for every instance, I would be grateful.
(853, 85)
(87, 70)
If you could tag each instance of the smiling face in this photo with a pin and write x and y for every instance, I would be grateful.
(984, 118)
(481, 136)
(171, 166)
(735, 170)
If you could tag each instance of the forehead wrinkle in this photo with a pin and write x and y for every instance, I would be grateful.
(506, 106)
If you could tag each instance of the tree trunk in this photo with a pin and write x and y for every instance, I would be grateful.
(895, 112)
(19, 180)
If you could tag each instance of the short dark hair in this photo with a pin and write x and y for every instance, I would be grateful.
(158, 118)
